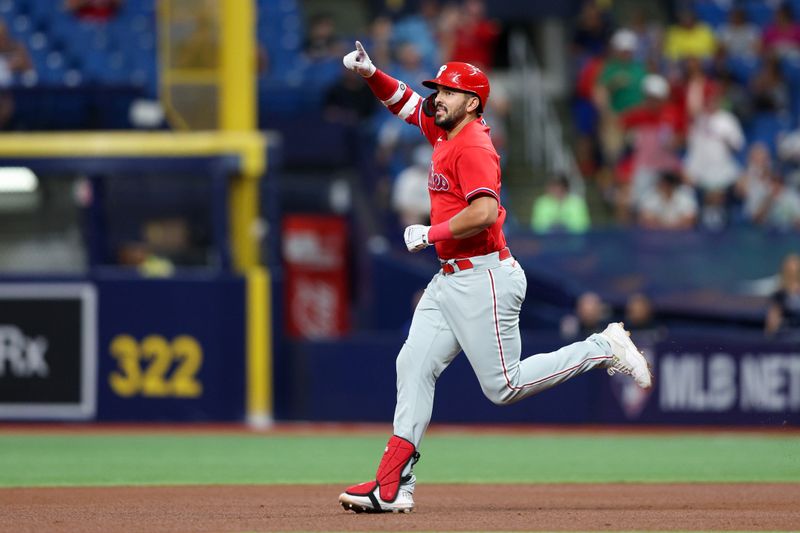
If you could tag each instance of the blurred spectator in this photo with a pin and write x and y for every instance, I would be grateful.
(789, 152)
(754, 185)
(559, 210)
(322, 41)
(140, 256)
(349, 100)
(474, 36)
(689, 37)
(449, 20)
(769, 90)
(585, 115)
(739, 37)
(381, 33)
(653, 128)
(639, 312)
(783, 315)
(640, 319)
(697, 87)
(420, 28)
(736, 96)
(649, 38)
(395, 144)
(711, 164)
(619, 87)
(671, 205)
(783, 36)
(496, 117)
(592, 30)
(589, 317)
(619, 84)
(410, 198)
(14, 60)
(14, 56)
(409, 67)
(780, 207)
(93, 10)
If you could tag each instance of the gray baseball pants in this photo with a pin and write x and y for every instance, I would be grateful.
(477, 311)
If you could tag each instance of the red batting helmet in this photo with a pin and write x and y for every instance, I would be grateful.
(463, 77)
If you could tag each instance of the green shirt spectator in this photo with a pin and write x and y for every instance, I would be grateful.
(620, 81)
(559, 210)
(623, 80)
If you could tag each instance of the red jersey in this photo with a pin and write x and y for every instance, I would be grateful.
(462, 169)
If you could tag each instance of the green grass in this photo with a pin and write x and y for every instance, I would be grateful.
(38, 459)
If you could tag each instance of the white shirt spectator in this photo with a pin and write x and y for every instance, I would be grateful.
(713, 140)
(740, 40)
(669, 210)
(781, 208)
(757, 188)
(410, 197)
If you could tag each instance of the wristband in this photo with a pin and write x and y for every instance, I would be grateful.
(440, 232)
(382, 85)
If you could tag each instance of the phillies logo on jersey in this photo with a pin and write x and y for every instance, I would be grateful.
(437, 181)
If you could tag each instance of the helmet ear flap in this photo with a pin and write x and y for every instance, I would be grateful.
(429, 105)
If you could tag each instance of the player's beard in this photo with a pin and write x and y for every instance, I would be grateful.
(452, 118)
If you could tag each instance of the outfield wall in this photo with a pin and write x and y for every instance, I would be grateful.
(704, 381)
(123, 348)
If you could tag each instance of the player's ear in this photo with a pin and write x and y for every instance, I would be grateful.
(474, 104)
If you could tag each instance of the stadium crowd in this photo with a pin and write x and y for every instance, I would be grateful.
(688, 124)
(685, 114)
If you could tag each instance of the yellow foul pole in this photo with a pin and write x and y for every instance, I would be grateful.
(238, 112)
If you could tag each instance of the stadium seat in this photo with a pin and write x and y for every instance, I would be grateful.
(711, 12)
(766, 127)
(759, 13)
(743, 68)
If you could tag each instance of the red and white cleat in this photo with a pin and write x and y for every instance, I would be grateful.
(366, 498)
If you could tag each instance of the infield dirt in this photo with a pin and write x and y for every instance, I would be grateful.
(564, 507)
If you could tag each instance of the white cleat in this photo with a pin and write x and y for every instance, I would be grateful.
(627, 359)
(372, 502)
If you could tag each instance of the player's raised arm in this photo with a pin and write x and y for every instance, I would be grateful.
(398, 97)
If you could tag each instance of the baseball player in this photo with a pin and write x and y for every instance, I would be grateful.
(473, 302)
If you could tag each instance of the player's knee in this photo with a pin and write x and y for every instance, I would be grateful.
(503, 396)
(405, 365)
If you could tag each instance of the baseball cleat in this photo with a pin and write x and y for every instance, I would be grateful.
(627, 359)
(357, 500)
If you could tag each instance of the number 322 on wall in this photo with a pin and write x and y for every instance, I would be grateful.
(155, 367)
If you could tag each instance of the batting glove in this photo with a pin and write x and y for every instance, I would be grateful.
(358, 61)
(416, 237)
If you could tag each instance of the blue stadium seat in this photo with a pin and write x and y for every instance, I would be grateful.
(791, 71)
(6, 7)
(759, 12)
(765, 127)
(743, 68)
(711, 12)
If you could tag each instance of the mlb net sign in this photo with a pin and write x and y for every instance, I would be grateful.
(48, 362)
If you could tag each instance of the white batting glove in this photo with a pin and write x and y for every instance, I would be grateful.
(416, 237)
(358, 61)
